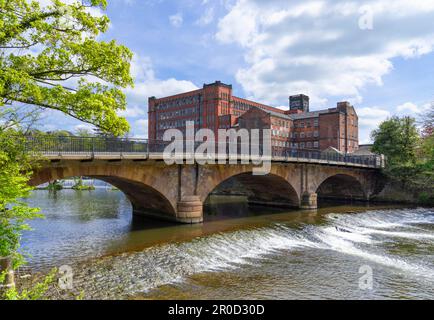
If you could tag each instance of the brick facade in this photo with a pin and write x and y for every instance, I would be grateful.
(215, 107)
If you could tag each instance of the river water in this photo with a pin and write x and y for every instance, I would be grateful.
(240, 252)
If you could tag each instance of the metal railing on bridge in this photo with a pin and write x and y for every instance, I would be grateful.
(71, 145)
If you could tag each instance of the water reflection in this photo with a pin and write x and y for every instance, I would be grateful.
(230, 207)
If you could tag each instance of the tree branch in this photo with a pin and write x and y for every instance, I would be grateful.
(67, 112)
(26, 24)
(54, 85)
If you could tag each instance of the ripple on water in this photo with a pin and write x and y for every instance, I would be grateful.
(345, 234)
(317, 257)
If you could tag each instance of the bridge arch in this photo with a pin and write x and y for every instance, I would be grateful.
(146, 197)
(342, 186)
(274, 188)
(178, 192)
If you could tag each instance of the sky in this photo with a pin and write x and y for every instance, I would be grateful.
(376, 54)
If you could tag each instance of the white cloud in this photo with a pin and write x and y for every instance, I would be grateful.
(176, 20)
(147, 84)
(85, 127)
(206, 18)
(140, 128)
(369, 119)
(411, 109)
(408, 107)
(316, 46)
(141, 68)
(161, 88)
(133, 112)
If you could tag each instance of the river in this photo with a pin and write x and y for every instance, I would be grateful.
(240, 252)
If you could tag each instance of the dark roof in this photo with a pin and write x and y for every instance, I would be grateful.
(273, 113)
(308, 115)
(278, 114)
(295, 116)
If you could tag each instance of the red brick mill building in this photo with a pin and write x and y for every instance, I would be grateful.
(214, 107)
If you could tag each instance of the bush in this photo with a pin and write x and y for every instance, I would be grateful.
(426, 199)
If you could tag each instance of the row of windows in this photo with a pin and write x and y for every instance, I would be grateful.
(282, 123)
(177, 102)
(307, 145)
(294, 145)
(294, 135)
(175, 124)
(184, 112)
(224, 96)
(275, 143)
(242, 106)
(307, 124)
(303, 135)
(225, 108)
(177, 113)
(279, 133)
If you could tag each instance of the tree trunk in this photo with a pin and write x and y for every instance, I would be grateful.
(9, 282)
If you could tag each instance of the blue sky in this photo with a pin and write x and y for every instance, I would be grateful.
(377, 54)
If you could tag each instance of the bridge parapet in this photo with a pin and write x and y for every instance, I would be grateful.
(101, 148)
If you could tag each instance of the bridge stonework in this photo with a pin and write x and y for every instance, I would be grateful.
(178, 192)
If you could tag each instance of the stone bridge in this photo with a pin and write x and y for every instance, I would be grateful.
(177, 192)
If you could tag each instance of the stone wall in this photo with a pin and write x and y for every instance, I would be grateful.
(397, 192)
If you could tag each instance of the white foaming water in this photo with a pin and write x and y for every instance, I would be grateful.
(346, 233)
(408, 235)
(172, 263)
(349, 234)
(385, 223)
(338, 244)
(385, 219)
(350, 230)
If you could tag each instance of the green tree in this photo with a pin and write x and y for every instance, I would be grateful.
(83, 132)
(398, 139)
(15, 172)
(51, 57)
(410, 157)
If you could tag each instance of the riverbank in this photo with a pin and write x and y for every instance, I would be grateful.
(397, 192)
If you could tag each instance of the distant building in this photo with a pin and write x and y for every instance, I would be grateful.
(365, 150)
(215, 107)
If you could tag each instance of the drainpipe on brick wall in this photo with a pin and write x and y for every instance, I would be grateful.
(346, 131)
(200, 112)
